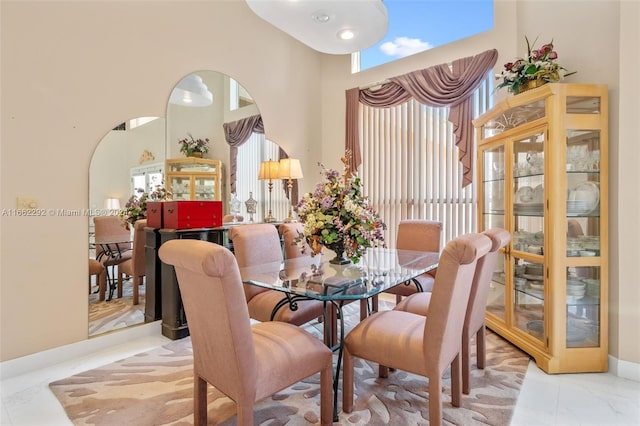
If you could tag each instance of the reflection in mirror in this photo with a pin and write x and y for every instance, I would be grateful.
(128, 158)
(132, 156)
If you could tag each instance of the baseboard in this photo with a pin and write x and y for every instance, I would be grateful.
(50, 357)
(624, 369)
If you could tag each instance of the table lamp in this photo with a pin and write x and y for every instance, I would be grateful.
(289, 168)
(269, 172)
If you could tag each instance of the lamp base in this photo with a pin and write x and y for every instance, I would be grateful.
(269, 219)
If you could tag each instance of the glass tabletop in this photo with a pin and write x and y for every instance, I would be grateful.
(316, 278)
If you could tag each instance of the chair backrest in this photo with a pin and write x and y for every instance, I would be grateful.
(217, 314)
(138, 258)
(447, 308)
(290, 232)
(110, 226)
(482, 279)
(255, 244)
(419, 235)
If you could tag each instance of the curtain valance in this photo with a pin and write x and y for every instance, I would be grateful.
(437, 86)
(236, 133)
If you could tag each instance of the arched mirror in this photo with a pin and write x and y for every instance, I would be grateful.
(133, 155)
(130, 157)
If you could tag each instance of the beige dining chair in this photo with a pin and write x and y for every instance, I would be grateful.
(135, 267)
(418, 235)
(474, 322)
(255, 244)
(97, 269)
(111, 228)
(246, 363)
(426, 346)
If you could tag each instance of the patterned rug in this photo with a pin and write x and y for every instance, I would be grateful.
(116, 313)
(156, 388)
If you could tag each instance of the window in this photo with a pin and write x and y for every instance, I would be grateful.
(415, 26)
(410, 167)
(250, 154)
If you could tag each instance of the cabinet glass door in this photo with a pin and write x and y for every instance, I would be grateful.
(180, 188)
(493, 216)
(582, 291)
(529, 289)
(205, 188)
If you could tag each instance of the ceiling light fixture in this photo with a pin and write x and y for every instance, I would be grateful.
(366, 19)
(191, 91)
(346, 34)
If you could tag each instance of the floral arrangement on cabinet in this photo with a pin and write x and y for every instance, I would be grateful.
(538, 68)
(190, 146)
(136, 206)
(337, 214)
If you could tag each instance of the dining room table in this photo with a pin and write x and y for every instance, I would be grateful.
(316, 278)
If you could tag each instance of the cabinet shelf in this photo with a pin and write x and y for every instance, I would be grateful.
(557, 186)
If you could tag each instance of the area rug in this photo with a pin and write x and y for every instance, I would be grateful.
(156, 388)
(117, 313)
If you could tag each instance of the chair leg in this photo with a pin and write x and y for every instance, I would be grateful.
(456, 388)
(119, 284)
(326, 395)
(102, 285)
(199, 401)
(466, 363)
(435, 400)
(383, 371)
(398, 298)
(136, 281)
(245, 414)
(347, 382)
(481, 352)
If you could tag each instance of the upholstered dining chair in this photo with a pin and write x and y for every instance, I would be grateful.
(111, 228)
(418, 235)
(290, 232)
(422, 345)
(474, 322)
(258, 243)
(135, 267)
(246, 363)
(97, 269)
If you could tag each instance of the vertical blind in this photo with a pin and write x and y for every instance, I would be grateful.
(410, 167)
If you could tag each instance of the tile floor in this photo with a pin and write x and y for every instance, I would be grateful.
(568, 399)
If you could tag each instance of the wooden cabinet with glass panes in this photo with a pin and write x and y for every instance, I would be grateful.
(193, 178)
(542, 175)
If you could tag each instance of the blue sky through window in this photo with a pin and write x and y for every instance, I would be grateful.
(418, 25)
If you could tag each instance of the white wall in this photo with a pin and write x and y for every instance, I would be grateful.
(71, 71)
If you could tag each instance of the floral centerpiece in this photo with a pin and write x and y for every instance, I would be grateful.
(136, 206)
(539, 67)
(338, 216)
(190, 146)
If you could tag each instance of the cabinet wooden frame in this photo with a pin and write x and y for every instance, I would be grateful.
(565, 117)
(191, 170)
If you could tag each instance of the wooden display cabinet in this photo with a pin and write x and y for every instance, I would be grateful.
(192, 178)
(542, 175)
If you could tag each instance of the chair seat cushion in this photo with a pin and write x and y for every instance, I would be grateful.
(261, 305)
(279, 347)
(95, 267)
(391, 338)
(416, 304)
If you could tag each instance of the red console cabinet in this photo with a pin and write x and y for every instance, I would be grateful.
(192, 214)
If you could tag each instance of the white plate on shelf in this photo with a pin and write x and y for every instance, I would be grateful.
(533, 277)
(584, 198)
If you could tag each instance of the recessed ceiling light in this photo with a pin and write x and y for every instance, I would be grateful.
(321, 17)
(366, 19)
(346, 34)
